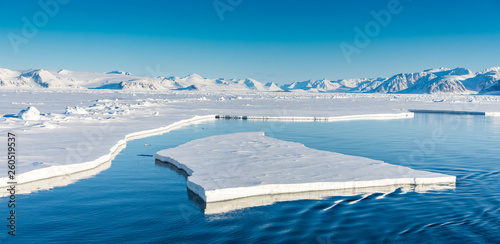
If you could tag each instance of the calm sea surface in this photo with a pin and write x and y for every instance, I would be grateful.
(138, 201)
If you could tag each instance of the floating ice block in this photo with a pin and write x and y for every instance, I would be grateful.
(232, 166)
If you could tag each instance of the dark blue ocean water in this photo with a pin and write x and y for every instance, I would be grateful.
(138, 201)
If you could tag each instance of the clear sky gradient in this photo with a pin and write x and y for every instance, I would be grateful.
(280, 41)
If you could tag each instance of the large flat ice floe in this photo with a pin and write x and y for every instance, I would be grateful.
(227, 167)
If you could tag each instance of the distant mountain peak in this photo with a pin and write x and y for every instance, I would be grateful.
(436, 70)
(441, 80)
(194, 75)
(118, 72)
(63, 71)
(492, 69)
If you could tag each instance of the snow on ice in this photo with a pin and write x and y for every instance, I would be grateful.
(238, 165)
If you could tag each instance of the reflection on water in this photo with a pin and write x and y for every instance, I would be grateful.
(262, 200)
(63, 180)
(172, 167)
(247, 202)
(58, 181)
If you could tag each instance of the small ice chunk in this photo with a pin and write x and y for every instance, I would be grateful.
(30, 113)
(75, 110)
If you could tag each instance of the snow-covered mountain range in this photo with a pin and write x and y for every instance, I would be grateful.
(443, 80)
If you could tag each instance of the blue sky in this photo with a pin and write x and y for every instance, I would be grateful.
(279, 41)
